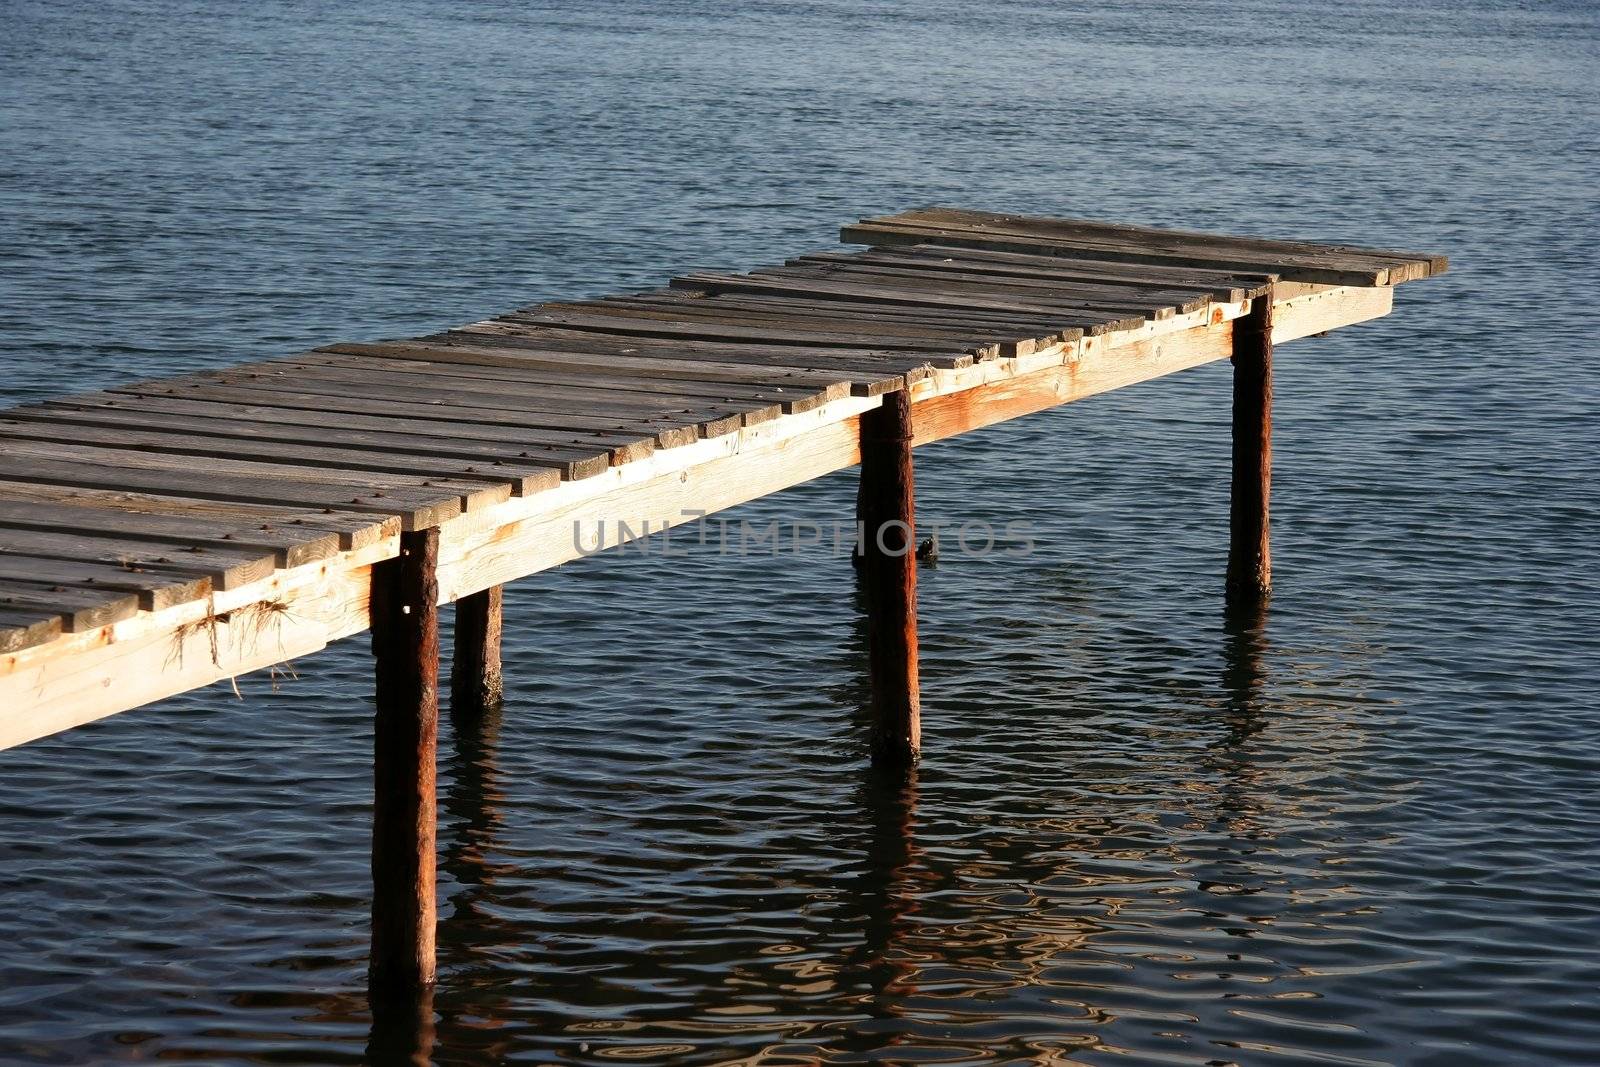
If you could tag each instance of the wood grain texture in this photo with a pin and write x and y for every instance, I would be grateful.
(352, 530)
(224, 566)
(25, 627)
(155, 589)
(80, 606)
(1101, 274)
(289, 543)
(1334, 264)
(571, 456)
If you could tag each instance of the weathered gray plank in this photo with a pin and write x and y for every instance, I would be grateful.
(1060, 304)
(351, 530)
(984, 323)
(614, 319)
(1147, 300)
(624, 446)
(154, 589)
(226, 567)
(684, 387)
(417, 509)
(779, 281)
(1153, 235)
(270, 483)
(524, 480)
(505, 342)
(80, 608)
(1219, 285)
(366, 432)
(1327, 265)
(619, 403)
(285, 544)
(849, 364)
(22, 628)
(506, 402)
(861, 327)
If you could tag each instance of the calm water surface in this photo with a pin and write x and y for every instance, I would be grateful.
(1362, 833)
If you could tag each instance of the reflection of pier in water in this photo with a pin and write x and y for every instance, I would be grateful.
(1244, 653)
(1083, 878)
(903, 912)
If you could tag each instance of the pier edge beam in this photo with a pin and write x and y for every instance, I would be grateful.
(1249, 579)
(886, 511)
(405, 647)
(475, 679)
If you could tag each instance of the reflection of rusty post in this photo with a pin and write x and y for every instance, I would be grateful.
(887, 509)
(405, 644)
(1244, 669)
(475, 684)
(888, 891)
(478, 934)
(1250, 550)
(402, 1029)
(472, 804)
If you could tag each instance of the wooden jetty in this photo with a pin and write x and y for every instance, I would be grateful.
(165, 535)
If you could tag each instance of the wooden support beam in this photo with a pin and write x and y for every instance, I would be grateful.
(405, 644)
(1249, 578)
(887, 511)
(475, 684)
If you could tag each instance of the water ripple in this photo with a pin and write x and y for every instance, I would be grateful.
(1360, 832)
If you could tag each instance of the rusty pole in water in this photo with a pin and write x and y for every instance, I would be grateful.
(1249, 578)
(887, 511)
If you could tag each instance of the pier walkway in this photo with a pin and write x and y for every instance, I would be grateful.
(164, 535)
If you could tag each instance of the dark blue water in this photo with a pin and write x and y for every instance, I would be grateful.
(1363, 832)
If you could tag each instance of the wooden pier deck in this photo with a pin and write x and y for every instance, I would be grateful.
(164, 535)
